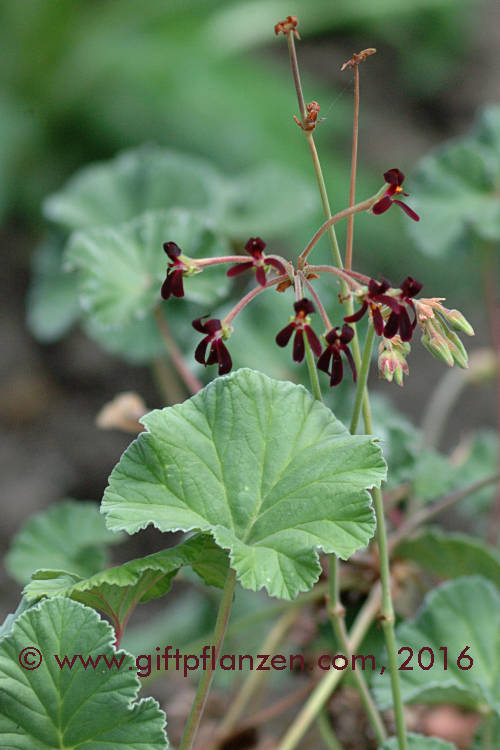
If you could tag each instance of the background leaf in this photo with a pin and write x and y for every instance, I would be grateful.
(418, 742)
(70, 536)
(60, 709)
(266, 469)
(464, 612)
(451, 555)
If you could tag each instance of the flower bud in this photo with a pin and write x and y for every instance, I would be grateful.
(437, 346)
(457, 321)
(457, 350)
(392, 359)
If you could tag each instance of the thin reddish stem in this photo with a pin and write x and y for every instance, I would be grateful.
(336, 272)
(204, 262)
(296, 75)
(191, 381)
(319, 304)
(363, 206)
(249, 297)
(354, 165)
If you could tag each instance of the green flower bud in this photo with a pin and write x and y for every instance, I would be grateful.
(457, 321)
(438, 347)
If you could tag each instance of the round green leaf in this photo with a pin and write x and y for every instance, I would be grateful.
(53, 304)
(136, 181)
(459, 614)
(455, 190)
(49, 540)
(61, 708)
(121, 268)
(263, 467)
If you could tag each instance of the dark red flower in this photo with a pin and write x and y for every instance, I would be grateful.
(399, 320)
(173, 284)
(299, 325)
(394, 178)
(214, 335)
(337, 343)
(255, 247)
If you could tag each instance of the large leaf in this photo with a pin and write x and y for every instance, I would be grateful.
(53, 304)
(455, 190)
(262, 466)
(115, 591)
(459, 614)
(452, 555)
(122, 268)
(418, 742)
(61, 708)
(268, 200)
(70, 536)
(136, 181)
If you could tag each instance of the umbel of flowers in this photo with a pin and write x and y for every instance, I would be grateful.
(393, 312)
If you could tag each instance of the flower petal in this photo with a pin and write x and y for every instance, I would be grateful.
(223, 357)
(405, 326)
(337, 369)
(198, 325)
(305, 306)
(177, 286)
(313, 340)
(173, 251)
(352, 365)
(275, 263)
(201, 351)
(261, 275)
(394, 177)
(239, 268)
(408, 211)
(357, 315)
(166, 287)
(283, 337)
(378, 321)
(381, 206)
(299, 349)
(392, 325)
(323, 362)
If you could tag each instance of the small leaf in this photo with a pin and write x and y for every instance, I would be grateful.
(263, 467)
(53, 304)
(418, 742)
(121, 268)
(69, 536)
(115, 591)
(136, 181)
(452, 555)
(464, 617)
(267, 201)
(455, 190)
(61, 708)
(8, 623)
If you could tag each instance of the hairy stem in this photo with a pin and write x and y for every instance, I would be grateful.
(254, 680)
(354, 166)
(198, 706)
(336, 612)
(191, 381)
(325, 688)
(361, 389)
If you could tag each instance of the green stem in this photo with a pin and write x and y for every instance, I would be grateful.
(253, 681)
(313, 372)
(325, 688)
(361, 390)
(326, 731)
(336, 612)
(198, 706)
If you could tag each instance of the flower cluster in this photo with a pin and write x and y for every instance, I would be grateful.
(388, 307)
(438, 326)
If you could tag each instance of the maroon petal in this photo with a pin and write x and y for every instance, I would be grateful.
(239, 268)
(201, 351)
(392, 325)
(223, 357)
(299, 349)
(352, 365)
(337, 369)
(173, 251)
(394, 177)
(304, 305)
(284, 336)
(323, 362)
(261, 275)
(381, 206)
(314, 341)
(378, 321)
(357, 315)
(386, 299)
(375, 288)
(255, 246)
(405, 326)
(277, 264)
(347, 334)
(177, 286)
(198, 325)
(408, 211)
(333, 336)
(166, 287)
(410, 287)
